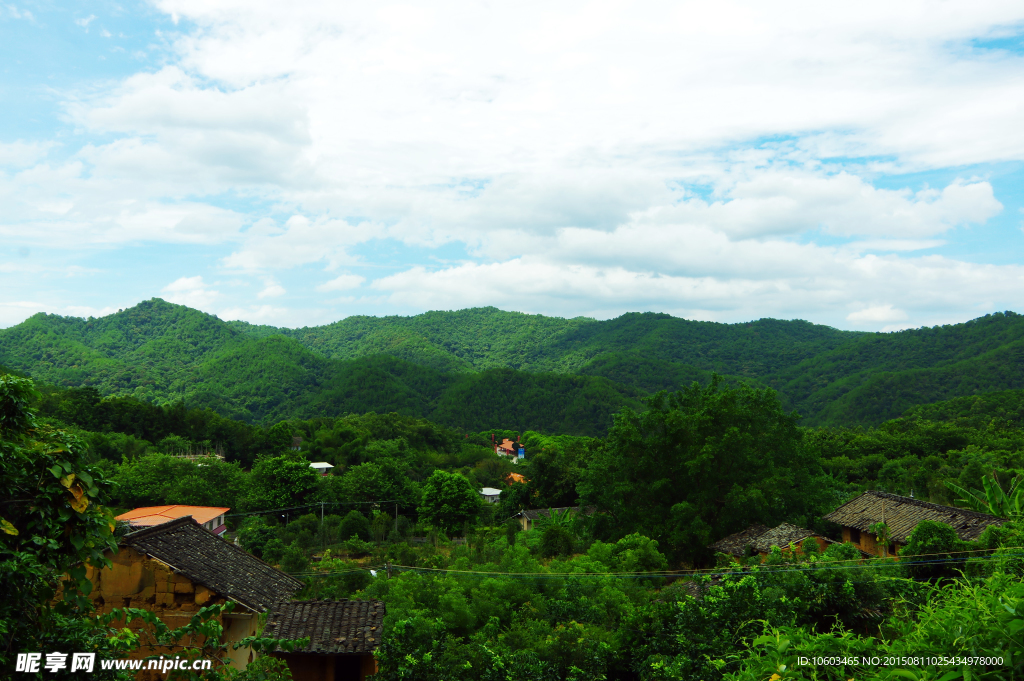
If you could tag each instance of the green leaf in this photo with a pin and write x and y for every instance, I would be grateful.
(904, 673)
(57, 471)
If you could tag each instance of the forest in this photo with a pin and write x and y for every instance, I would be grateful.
(471, 369)
(626, 590)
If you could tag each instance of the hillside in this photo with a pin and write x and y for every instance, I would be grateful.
(483, 367)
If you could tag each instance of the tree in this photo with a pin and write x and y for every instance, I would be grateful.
(354, 523)
(702, 463)
(993, 499)
(385, 480)
(280, 482)
(938, 543)
(255, 534)
(449, 501)
(51, 524)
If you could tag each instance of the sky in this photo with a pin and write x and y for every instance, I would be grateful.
(859, 165)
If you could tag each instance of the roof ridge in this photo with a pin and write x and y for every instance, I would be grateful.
(162, 527)
(927, 504)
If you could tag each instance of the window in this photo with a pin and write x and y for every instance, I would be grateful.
(854, 535)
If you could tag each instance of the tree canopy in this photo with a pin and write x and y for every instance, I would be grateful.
(701, 463)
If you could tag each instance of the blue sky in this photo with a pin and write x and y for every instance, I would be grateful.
(293, 164)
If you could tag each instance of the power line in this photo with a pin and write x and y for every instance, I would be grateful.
(315, 504)
(711, 572)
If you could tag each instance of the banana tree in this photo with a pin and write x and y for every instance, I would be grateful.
(992, 499)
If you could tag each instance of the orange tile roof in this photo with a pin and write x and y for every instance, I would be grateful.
(155, 515)
(515, 477)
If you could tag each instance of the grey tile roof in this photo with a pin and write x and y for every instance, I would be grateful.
(782, 536)
(762, 539)
(333, 627)
(903, 514)
(736, 544)
(220, 566)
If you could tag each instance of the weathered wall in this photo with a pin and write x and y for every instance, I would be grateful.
(868, 543)
(138, 581)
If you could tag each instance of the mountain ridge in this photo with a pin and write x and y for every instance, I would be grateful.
(161, 352)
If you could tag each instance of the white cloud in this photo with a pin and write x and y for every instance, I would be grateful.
(191, 291)
(688, 156)
(878, 313)
(85, 21)
(15, 312)
(15, 13)
(932, 286)
(271, 290)
(278, 316)
(20, 154)
(301, 241)
(344, 282)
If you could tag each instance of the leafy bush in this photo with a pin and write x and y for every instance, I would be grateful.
(354, 524)
(294, 559)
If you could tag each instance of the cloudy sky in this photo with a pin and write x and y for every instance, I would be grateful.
(292, 163)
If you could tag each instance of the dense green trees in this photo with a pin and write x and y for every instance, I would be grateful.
(280, 482)
(582, 596)
(701, 464)
(449, 501)
(51, 523)
(459, 368)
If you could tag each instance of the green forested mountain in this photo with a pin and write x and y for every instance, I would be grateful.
(484, 367)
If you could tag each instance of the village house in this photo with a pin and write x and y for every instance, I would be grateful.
(342, 637)
(490, 495)
(321, 467)
(759, 540)
(528, 519)
(210, 517)
(510, 449)
(175, 568)
(901, 515)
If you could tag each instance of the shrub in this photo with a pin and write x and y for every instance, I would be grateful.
(294, 559)
(355, 523)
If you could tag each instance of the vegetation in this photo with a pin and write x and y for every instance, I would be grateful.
(623, 590)
(460, 368)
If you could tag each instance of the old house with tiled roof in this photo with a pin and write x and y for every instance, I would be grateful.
(759, 540)
(175, 568)
(342, 637)
(901, 515)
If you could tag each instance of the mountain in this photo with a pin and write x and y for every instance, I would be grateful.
(486, 367)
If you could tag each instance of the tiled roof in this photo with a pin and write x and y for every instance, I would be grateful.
(736, 544)
(902, 515)
(333, 627)
(534, 513)
(218, 565)
(782, 536)
(156, 515)
(762, 539)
